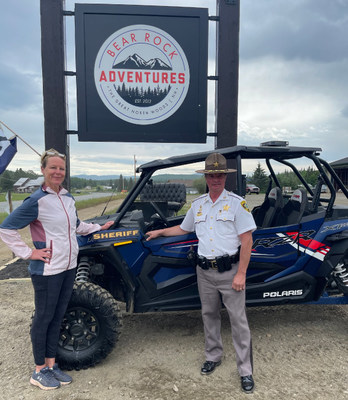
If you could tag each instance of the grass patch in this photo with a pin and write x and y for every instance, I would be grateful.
(14, 196)
(187, 205)
(184, 209)
(3, 216)
(94, 202)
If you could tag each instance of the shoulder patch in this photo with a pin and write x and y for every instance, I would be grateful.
(244, 205)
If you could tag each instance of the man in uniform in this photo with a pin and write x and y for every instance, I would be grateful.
(224, 226)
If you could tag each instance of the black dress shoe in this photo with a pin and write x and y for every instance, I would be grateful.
(209, 366)
(247, 383)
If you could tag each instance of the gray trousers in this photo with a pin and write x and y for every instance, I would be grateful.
(213, 287)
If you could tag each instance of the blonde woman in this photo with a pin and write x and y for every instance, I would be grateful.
(51, 214)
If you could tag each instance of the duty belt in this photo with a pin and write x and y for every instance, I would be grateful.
(221, 264)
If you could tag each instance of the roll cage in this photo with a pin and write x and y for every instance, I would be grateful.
(268, 151)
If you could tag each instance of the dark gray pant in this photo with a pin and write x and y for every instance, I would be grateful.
(52, 295)
(214, 286)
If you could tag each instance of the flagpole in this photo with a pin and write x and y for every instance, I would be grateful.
(2, 123)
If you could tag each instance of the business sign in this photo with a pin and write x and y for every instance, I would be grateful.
(141, 73)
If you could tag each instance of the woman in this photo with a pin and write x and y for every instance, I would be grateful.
(51, 214)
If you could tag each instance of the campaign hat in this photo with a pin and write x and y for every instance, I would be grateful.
(216, 163)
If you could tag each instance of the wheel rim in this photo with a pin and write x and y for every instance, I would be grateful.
(80, 329)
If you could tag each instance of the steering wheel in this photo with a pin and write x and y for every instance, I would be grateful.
(159, 212)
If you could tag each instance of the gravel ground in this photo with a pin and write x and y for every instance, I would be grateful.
(300, 352)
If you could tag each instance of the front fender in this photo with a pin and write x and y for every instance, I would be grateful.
(110, 255)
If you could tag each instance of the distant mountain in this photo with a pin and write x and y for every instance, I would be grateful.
(157, 178)
(171, 177)
(98, 177)
(136, 62)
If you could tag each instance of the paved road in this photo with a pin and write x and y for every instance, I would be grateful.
(15, 204)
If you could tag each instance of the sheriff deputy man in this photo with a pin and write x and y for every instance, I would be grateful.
(224, 226)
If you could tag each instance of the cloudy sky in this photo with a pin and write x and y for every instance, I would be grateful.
(293, 82)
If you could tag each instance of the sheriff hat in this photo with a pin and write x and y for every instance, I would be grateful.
(216, 163)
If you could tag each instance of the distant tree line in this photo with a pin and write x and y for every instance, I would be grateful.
(286, 178)
(260, 179)
(122, 183)
(9, 178)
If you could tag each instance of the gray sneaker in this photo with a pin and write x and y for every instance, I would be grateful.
(63, 378)
(44, 379)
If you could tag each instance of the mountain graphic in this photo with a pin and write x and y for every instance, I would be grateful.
(136, 62)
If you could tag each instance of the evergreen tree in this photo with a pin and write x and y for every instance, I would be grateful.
(120, 183)
(259, 178)
(6, 181)
(129, 184)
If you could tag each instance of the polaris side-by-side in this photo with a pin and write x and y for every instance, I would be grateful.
(299, 255)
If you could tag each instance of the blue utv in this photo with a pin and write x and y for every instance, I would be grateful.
(299, 255)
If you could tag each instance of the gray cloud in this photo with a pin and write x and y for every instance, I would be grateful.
(18, 89)
(293, 81)
(20, 35)
(344, 112)
(306, 29)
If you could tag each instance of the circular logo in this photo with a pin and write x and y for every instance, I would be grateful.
(141, 74)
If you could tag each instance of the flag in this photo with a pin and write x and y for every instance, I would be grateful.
(8, 148)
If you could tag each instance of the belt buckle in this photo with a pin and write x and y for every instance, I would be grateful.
(213, 264)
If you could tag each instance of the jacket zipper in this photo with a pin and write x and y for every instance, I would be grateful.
(67, 217)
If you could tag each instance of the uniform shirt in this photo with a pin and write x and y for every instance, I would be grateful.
(53, 224)
(218, 225)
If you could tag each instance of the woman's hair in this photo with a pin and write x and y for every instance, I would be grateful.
(50, 153)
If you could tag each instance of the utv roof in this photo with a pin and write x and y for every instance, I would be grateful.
(268, 150)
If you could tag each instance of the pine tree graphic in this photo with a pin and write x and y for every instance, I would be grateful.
(140, 97)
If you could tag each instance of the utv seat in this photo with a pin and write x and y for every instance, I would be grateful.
(294, 209)
(174, 194)
(266, 214)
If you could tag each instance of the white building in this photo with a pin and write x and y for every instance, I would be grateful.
(27, 185)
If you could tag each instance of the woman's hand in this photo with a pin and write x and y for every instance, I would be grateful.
(106, 225)
(41, 254)
(153, 234)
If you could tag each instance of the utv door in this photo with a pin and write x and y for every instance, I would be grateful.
(167, 280)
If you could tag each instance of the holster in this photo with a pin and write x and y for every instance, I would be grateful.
(192, 257)
(224, 263)
(203, 262)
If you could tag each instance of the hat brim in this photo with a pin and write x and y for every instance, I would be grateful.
(216, 171)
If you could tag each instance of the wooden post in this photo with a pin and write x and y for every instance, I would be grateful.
(9, 200)
(53, 78)
(10, 209)
(227, 84)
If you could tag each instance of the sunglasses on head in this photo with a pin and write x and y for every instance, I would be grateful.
(54, 153)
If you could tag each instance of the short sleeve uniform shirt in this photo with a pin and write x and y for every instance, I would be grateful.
(218, 225)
